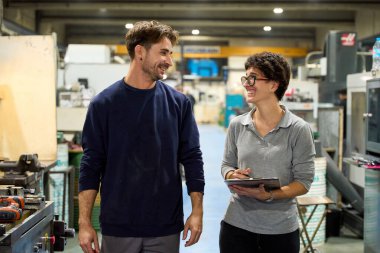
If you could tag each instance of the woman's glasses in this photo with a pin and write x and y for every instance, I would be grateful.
(251, 80)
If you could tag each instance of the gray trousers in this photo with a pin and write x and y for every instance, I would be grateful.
(165, 244)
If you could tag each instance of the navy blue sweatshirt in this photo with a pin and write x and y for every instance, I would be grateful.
(133, 141)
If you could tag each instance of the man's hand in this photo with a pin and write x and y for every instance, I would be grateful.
(88, 239)
(194, 224)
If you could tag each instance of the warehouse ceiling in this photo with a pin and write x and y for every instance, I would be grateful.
(104, 21)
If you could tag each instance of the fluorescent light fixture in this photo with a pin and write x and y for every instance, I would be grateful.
(195, 32)
(278, 10)
(129, 26)
(267, 28)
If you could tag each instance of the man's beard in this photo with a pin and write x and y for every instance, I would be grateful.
(152, 74)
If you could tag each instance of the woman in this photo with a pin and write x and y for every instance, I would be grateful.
(268, 141)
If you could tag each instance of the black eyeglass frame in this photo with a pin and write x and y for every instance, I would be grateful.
(248, 79)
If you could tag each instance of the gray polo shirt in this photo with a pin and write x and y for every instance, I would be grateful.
(286, 152)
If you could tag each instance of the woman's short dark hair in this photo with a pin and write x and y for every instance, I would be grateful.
(147, 33)
(274, 67)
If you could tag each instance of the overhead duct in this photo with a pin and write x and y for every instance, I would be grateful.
(17, 29)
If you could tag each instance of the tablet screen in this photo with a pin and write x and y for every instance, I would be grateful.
(269, 183)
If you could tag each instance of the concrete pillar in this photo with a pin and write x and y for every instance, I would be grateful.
(23, 17)
(48, 28)
(1, 16)
(367, 23)
(320, 36)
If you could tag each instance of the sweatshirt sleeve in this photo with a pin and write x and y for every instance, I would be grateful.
(190, 154)
(94, 156)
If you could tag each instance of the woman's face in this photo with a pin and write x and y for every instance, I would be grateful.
(258, 86)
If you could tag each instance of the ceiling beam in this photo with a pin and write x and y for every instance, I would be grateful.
(306, 6)
(204, 23)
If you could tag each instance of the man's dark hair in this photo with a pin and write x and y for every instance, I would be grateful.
(147, 33)
(274, 67)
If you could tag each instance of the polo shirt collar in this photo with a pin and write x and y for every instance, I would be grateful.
(285, 122)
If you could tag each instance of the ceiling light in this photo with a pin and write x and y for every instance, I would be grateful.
(195, 32)
(129, 26)
(267, 28)
(278, 10)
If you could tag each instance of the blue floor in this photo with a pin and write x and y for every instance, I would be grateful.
(216, 193)
(216, 200)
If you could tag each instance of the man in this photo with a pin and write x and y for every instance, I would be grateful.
(136, 133)
(188, 95)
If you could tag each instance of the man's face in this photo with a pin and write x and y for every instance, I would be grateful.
(158, 59)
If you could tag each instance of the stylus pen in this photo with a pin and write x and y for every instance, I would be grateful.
(247, 175)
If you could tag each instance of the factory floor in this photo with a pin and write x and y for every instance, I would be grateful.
(216, 199)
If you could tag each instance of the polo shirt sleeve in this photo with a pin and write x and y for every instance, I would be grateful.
(303, 156)
(230, 160)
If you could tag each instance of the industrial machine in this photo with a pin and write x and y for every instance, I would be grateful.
(373, 117)
(27, 220)
(340, 48)
(31, 128)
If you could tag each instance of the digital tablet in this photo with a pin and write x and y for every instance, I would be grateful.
(269, 183)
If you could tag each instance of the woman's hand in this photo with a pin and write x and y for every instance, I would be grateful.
(258, 193)
(239, 174)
